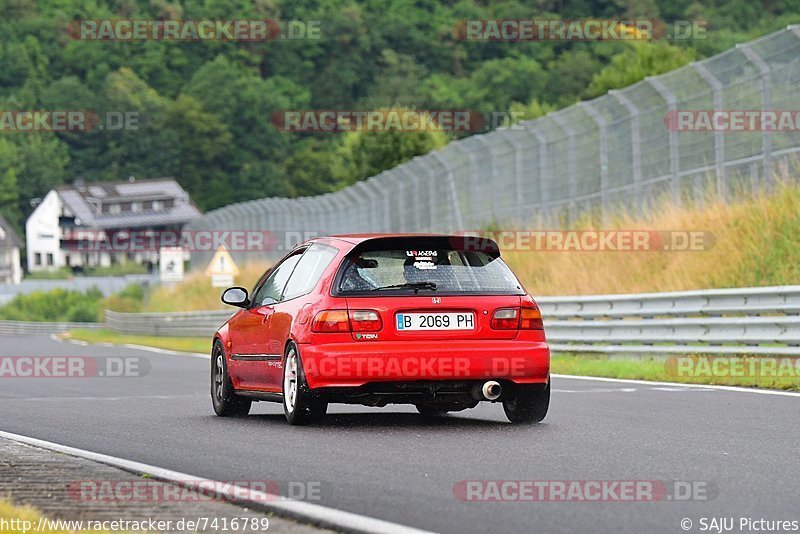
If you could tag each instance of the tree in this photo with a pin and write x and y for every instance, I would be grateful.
(640, 60)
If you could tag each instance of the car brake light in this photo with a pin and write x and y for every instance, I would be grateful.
(328, 321)
(505, 319)
(365, 321)
(331, 321)
(531, 319)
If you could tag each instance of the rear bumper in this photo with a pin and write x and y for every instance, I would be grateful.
(354, 364)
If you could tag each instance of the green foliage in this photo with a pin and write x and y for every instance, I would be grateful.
(64, 305)
(362, 154)
(205, 106)
(640, 60)
(58, 305)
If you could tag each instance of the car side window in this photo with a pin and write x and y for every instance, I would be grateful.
(270, 291)
(309, 270)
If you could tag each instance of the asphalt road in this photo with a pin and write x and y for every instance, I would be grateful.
(393, 464)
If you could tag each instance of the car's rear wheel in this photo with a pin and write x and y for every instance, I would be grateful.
(300, 405)
(527, 404)
(224, 398)
(430, 411)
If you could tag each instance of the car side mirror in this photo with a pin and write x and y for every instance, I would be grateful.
(236, 296)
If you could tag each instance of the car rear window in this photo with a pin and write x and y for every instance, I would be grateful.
(400, 267)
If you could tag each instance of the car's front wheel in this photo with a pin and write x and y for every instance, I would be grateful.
(527, 404)
(300, 405)
(224, 398)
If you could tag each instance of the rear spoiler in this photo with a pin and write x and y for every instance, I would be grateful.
(428, 242)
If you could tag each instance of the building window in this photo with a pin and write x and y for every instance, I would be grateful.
(37, 258)
(157, 206)
(50, 261)
(114, 209)
(136, 207)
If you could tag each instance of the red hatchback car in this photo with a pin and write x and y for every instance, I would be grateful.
(439, 322)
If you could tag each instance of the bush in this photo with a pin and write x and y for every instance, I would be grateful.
(54, 306)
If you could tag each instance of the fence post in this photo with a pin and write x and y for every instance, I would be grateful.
(451, 185)
(544, 192)
(766, 104)
(674, 159)
(602, 142)
(473, 181)
(636, 147)
(719, 136)
(512, 137)
(571, 169)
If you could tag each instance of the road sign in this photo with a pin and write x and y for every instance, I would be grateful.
(170, 264)
(222, 269)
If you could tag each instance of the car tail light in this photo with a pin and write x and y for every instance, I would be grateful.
(342, 321)
(505, 319)
(531, 319)
(365, 321)
(517, 319)
(331, 321)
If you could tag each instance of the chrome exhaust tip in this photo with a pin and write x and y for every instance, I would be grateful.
(491, 390)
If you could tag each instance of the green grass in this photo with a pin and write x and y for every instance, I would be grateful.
(181, 344)
(659, 370)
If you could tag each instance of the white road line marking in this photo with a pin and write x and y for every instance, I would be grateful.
(322, 515)
(677, 384)
(132, 346)
(145, 397)
(596, 390)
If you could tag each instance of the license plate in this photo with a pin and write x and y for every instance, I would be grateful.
(435, 321)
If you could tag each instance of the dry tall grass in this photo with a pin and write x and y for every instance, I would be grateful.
(195, 292)
(756, 243)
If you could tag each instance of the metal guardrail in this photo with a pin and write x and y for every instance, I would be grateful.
(22, 328)
(761, 320)
(183, 324)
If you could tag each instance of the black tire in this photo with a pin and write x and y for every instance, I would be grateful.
(528, 404)
(224, 398)
(430, 411)
(306, 407)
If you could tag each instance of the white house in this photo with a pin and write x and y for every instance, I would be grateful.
(10, 265)
(85, 225)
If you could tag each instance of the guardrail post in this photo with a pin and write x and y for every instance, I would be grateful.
(674, 158)
(766, 104)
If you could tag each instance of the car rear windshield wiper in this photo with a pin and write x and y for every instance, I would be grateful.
(416, 286)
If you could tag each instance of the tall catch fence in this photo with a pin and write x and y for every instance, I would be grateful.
(597, 157)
